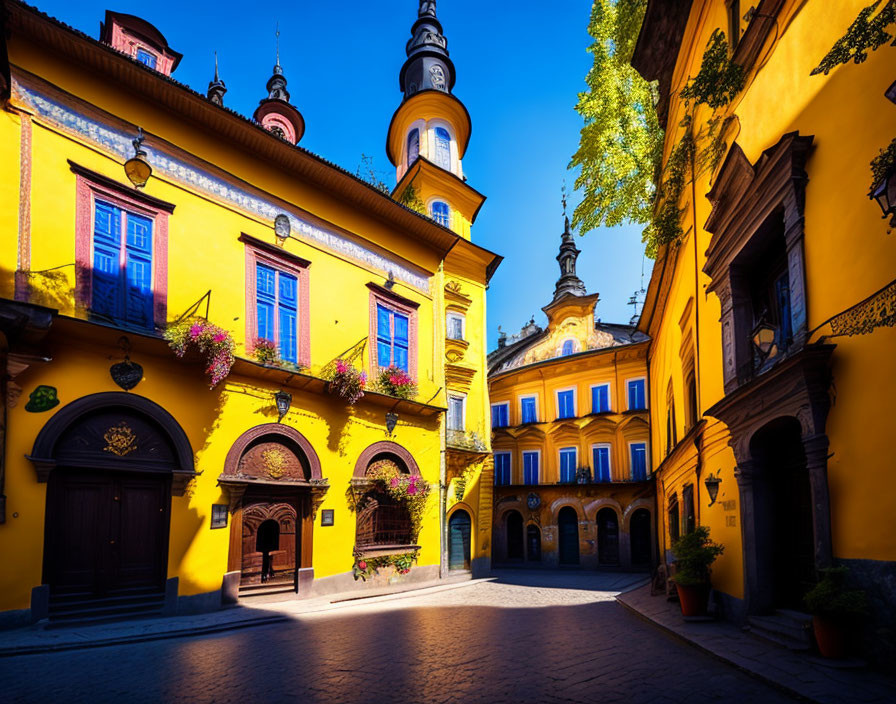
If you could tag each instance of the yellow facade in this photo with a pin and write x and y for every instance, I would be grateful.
(68, 121)
(698, 311)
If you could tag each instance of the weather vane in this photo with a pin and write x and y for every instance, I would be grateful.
(277, 34)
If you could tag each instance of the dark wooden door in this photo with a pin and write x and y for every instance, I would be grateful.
(515, 545)
(639, 534)
(607, 537)
(106, 532)
(459, 541)
(269, 528)
(568, 528)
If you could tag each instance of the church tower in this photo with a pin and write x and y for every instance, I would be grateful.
(430, 130)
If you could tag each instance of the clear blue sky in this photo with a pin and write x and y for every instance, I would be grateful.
(520, 66)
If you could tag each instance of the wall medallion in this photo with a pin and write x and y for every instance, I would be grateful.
(120, 440)
(437, 75)
(43, 398)
(274, 460)
(533, 501)
(126, 374)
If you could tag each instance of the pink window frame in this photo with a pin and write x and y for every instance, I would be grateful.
(400, 305)
(87, 191)
(256, 255)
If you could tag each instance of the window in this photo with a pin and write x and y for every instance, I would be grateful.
(566, 404)
(600, 398)
(440, 212)
(687, 496)
(145, 57)
(456, 408)
(527, 410)
(690, 384)
(502, 468)
(500, 415)
(569, 346)
(382, 520)
(568, 461)
(674, 530)
(637, 400)
(638, 452)
(671, 426)
(122, 265)
(530, 466)
(392, 339)
(455, 326)
(277, 309)
(443, 148)
(601, 462)
(413, 145)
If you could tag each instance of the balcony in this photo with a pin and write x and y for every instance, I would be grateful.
(465, 441)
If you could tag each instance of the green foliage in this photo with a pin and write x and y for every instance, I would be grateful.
(365, 567)
(621, 143)
(830, 596)
(411, 199)
(367, 172)
(865, 34)
(694, 553)
(883, 164)
(719, 78)
(665, 226)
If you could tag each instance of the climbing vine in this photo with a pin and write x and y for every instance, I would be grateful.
(865, 34)
(883, 164)
(411, 199)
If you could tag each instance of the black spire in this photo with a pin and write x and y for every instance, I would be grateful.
(428, 66)
(216, 88)
(568, 283)
(276, 85)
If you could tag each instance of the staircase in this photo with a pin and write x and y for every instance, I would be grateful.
(267, 588)
(85, 610)
(787, 628)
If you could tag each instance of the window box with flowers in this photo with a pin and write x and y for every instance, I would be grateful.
(396, 382)
(212, 344)
(346, 380)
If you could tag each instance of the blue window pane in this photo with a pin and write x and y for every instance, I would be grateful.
(639, 460)
(441, 213)
(265, 317)
(600, 399)
(601, 464)
(147, 58)
(566, 404)
(528, 410)
(383, 354)
(568, 465)
(401, 329)
(502, 469)
(530, 468)
(500, 416)
(443, 148)
(107, 296)
(636, 397)
(265, 282)
(413, 146)
(138, 301)
(400, 360)
(568, 348)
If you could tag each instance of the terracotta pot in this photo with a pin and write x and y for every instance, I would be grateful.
(831, 636)
(694, 599)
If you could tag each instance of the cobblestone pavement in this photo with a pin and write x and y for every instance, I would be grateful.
(544, 637)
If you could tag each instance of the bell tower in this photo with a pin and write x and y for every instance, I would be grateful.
(275, 113)
(430, 130)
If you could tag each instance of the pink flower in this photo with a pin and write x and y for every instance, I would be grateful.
(340, 367)
(219, 337)
(362, 565)
(412, 489)
(195, 331)
(394, 482)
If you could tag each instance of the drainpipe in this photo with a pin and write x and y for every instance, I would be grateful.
(439, 364)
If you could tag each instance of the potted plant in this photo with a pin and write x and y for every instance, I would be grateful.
(396, 382)
(347, 381)
(212, 343)
(694, 554)
(266, 352)
(833, 607)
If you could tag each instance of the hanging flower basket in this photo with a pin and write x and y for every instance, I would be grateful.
(347, 381)
(266, 352)
(410, 489)
(213, 344)
(365, 567)
(396, 382)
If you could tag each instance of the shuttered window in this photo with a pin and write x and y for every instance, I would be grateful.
(568, 459)
(502, 468)
(601, 462)
(277, 309)
(527, 406)
(500, 415)
(391, 338)
(530, 468)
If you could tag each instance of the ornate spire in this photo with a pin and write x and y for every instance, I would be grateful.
(568, 283)
(216, 88)
(275, 113)
(428, 66)
(276, 85)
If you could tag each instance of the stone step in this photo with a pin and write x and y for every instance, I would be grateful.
(266, 588)
(86, 616)
(786, 630)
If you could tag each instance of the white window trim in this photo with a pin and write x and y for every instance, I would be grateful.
(509, 465)
(609, 447)
(498, 403)
(463, 411)
(631, 465)
(575, 346)
(609, 395)
(575, 401)
(431, 125)
(520, 404)
(459, 316)
(628, 400)
(523, 454)
(440, 199)
(560, 451)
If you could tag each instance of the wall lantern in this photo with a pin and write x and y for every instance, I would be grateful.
(885, 195)
(284, 401)
(712, 487)
(282, 227)
(137, 168)
(763, 337)
(391, 420)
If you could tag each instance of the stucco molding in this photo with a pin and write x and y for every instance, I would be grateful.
(593, 507)
(384, 447)
(272, 430)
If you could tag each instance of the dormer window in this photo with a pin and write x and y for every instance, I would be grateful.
(146, 57)
(443, 148)
(413, 145)
(137, 38)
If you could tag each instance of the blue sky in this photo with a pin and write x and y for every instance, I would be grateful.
(519, 70)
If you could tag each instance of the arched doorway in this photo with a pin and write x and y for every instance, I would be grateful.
(514, 524)
(112, 462)
(783, 505)
(459, 540)
(639, 535)
(568, 528)
(607, 537)
(269, 541)
(533, 543)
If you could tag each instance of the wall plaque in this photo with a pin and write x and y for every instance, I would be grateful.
(327, 517)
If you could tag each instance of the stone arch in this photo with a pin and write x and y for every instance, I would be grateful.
(593, 507)
(564, 501)
(634, 506)
(276, 431)
(392, 450)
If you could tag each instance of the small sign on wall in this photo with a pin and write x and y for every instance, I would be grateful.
(326, 517)
(219, 515)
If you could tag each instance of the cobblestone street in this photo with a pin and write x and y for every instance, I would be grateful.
(528, 637)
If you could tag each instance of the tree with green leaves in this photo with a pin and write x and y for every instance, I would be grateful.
(621, 143)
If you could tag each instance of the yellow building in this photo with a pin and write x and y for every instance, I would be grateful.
(771, 314)
(127, 483)
(571, 437)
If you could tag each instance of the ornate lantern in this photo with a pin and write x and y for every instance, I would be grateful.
(284, 401)
(712, 487)
(137, 168)
(884, 193)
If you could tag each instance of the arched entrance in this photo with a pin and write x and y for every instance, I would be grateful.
(269, 542)
(459, 540)
(112, 461)
(607, 537)
(533, 543)
(568, 528)
(639, 535)
(783, 504)
(515, 547)
(381, 520)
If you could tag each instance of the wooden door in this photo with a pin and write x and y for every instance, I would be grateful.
(515, 545)
(568, 528)
(607, 537)
(459, 541)
(281, 545)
